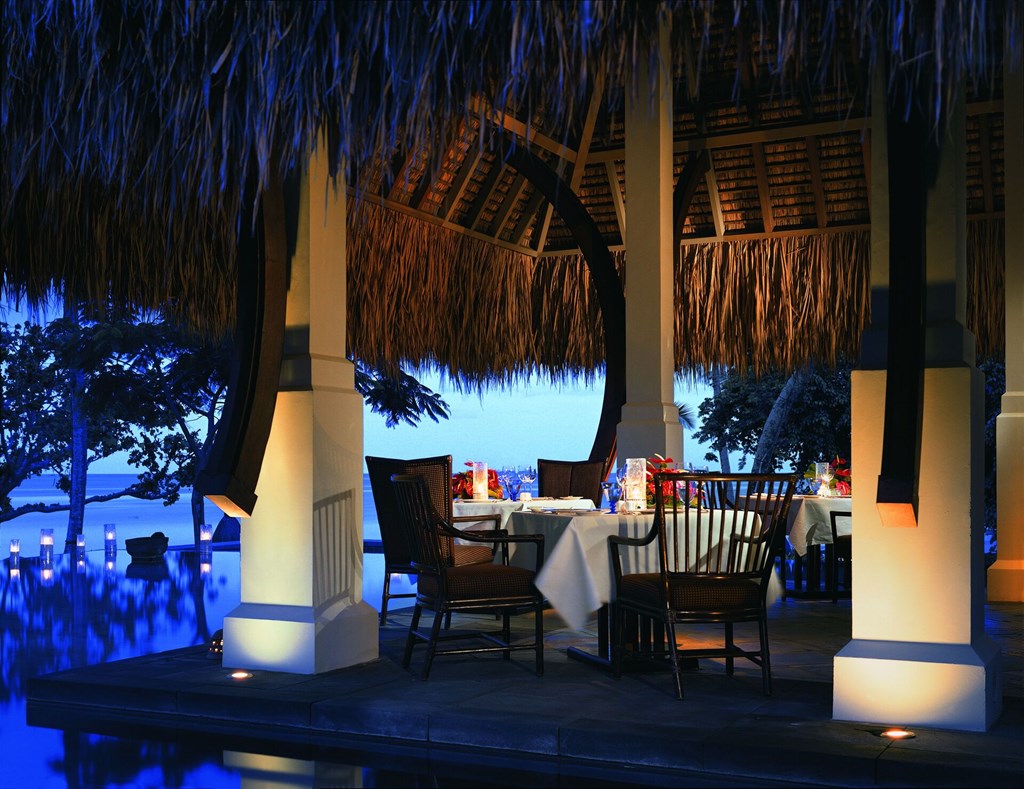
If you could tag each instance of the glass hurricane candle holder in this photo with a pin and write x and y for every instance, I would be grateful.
(110, 538)
(46, 546)
(635, 486)
(479, 481)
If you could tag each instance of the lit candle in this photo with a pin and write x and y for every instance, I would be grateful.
(110, 537)
(480, 481)
(15, 549)
(80, 542)
(205, 532)
(46, 546)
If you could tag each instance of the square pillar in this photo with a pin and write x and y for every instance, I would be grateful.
(650, 420)
(919, 654)
(301, 605)
(1006, 576)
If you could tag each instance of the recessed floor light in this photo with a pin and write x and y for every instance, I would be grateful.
(897, 733)
(241, 675)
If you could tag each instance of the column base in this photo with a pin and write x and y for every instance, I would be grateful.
(1006, 581)
(946, 686)
(296, 640)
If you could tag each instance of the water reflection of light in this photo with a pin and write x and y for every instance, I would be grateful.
(46, 574)
(110, 567)
(14, 573)
(80, 562)
(205, 568)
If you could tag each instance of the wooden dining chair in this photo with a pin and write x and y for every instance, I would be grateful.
(437, 474)
(715, 562)
(839, 554)
(445, 587)
(557, 478)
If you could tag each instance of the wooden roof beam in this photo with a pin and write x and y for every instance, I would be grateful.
(616, 191)
(686, 187)
(716, 200)
(579, 163)
(458, 187)
(517, 127)
(814, 164)
(764, 193)
(485, 194)
(515, 191)
(985, 148)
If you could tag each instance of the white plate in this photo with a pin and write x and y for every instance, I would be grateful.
(569, 498)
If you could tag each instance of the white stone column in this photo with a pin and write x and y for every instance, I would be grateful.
(919, 654)
(650, 420)
(301, 605)
(1006, 576)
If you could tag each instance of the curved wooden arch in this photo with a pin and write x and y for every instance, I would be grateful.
(606, 281)
(233, 468)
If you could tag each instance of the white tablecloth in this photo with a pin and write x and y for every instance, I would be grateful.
(577, 574)
(505, 507)
(809, 520)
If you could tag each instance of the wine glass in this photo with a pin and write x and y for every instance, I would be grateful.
(527, 474)
(510, 482)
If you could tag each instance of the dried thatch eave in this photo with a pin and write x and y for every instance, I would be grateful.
(136, 137)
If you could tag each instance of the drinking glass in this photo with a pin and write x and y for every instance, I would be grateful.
(527, 474)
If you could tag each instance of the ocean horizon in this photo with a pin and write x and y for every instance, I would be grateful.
(131, 517)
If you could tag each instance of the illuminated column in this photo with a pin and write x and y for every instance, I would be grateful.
(919, 654)
(1006, 576)
(650, 420)
(302, 551)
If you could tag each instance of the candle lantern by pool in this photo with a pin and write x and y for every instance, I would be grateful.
(46, 546)
(634, 488)
(206, 533)
(15, 553)
(480, 481)
(80, 543)
(109, 538)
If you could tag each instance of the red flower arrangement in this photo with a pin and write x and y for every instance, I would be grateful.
(462, 484)
(842, 479)
(654, 465)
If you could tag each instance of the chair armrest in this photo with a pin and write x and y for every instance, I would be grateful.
(478, 518)
(832, 515)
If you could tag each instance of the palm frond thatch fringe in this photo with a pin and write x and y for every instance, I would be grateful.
(772, 304)
(986, 288)
(428, 297)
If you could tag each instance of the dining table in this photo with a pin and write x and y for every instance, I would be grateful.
(809, 527)
(576, 577)
(465, 508)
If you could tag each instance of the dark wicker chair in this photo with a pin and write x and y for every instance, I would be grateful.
(840, 552)
(715, 563)
(444, 587)
(437, 472)
(570, 478)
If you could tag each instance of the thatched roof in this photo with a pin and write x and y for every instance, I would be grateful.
(136, 138)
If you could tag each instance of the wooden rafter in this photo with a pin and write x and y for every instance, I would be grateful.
(985, 149)
(616, 191)
(716, 200)
(865, 146)
(460, 182)
(686, 187)
(395, 177)
(484, 195)
(512, 124)
(515, 191)
(814, 163)
(578, 165)
(764, 193)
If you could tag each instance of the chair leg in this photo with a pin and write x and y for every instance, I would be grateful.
(411, 638)
(616, 615)
(384, 598)
(538, 634)
(677, 671)
(766, 658)
(435, 633)
(730, 662)
(506, 633)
